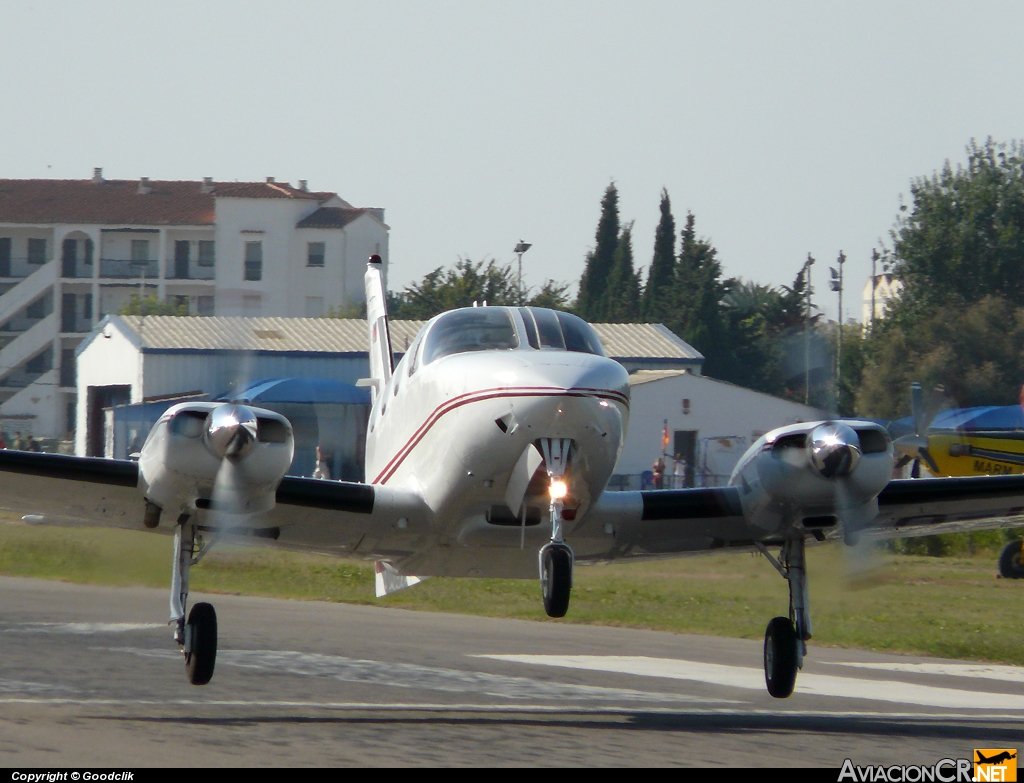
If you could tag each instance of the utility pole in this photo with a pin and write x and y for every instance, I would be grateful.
(874, 280)
(837, 285)
(521, 248)
(807, 332)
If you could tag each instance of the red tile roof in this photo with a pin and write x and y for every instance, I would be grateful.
(42, 201)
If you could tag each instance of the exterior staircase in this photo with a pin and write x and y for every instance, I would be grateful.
(27, 291)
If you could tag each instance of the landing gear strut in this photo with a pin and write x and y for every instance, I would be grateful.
(785, 640)
(197, 637)
(556, 557)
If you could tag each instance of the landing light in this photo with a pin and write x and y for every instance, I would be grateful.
(558, 490)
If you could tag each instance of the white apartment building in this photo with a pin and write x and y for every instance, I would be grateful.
(73, 251)
(878, 290)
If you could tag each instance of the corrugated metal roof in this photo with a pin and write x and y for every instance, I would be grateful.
(342, 335)
(644, 341)
(646, 376)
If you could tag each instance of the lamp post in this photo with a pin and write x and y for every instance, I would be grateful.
(807, 332)
(874, 284)
(837, 285)
(521, 248)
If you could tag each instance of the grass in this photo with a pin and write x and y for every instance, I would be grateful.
(952, 607)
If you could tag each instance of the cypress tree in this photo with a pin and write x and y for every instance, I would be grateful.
(699, 290)
(622, 301)
(591, 297)
(657, 300)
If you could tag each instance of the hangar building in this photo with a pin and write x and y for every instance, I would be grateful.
(145, 359)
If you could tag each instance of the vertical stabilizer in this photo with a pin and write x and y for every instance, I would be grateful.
(381, 358)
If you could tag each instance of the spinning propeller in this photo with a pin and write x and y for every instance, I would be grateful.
(835, 451)
(231, 433)
(915, 447)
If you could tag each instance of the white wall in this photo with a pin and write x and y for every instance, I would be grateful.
(717, 409)
(104, 361)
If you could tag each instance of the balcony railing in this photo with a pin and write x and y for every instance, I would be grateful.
(18, 268)
(125, 269)
(195, 272)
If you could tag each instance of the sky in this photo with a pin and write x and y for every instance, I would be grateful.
(786, 128)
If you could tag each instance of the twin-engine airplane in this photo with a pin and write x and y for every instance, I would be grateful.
(489, 449)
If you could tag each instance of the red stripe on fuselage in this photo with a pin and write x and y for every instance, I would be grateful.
(480, 396)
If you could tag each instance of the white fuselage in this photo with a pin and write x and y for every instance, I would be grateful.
(454, 429)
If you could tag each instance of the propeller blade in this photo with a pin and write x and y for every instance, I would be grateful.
(917, 409)
(863, 566)
(929, 461)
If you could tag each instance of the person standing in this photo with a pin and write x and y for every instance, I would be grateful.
(323, 462)
(659, 473)
(18, 444)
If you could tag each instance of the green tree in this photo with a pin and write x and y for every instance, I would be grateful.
(975, 353)
(591, 299)
(963, 238)
(752, 313)
(622, 297)
(150, 305)
(697, 315)
(658, 293)
(466, 282)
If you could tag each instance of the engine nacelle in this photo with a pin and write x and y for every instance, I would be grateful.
(817, 475)
(220, 461)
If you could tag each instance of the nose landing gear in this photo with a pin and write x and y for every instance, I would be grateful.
(198, 637)
(785, 639)
(556, 557)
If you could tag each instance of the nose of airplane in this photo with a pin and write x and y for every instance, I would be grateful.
(577, 371)
(231, 430)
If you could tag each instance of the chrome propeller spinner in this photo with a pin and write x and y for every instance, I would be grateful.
(834, 449)
(231, 430)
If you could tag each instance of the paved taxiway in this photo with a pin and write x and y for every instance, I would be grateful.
(89, 676)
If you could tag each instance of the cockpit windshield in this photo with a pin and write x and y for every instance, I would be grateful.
(554, 330)
(470, 329)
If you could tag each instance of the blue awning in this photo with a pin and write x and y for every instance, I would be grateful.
(310, 390)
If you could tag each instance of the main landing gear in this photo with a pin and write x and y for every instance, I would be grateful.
(197, 637)
(785, 640)
(1010, 561)
(556, 558)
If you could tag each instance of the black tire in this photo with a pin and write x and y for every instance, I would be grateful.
(1010, 566)
(780, 657)
(199, 663)
(556, 580)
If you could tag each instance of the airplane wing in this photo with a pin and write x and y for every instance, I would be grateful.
(692, 521)
(310, 514)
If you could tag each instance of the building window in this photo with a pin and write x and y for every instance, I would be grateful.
(253, 260)
(316, 254)
(37, 251)
(205, 304)
(37, 309)
(38, 364)
(87, 307)
(67, 367)
(205, 252)
(140, 250)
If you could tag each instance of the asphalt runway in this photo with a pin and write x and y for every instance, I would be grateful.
(89, 676)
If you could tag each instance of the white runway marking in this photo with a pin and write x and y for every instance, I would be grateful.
(407, 675)
(753, 679)
(79, 628)
(985, 671)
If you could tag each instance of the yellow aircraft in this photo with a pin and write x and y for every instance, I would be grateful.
(983, 441)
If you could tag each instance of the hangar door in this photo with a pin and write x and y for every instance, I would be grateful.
(684, 455)
(100, 398)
